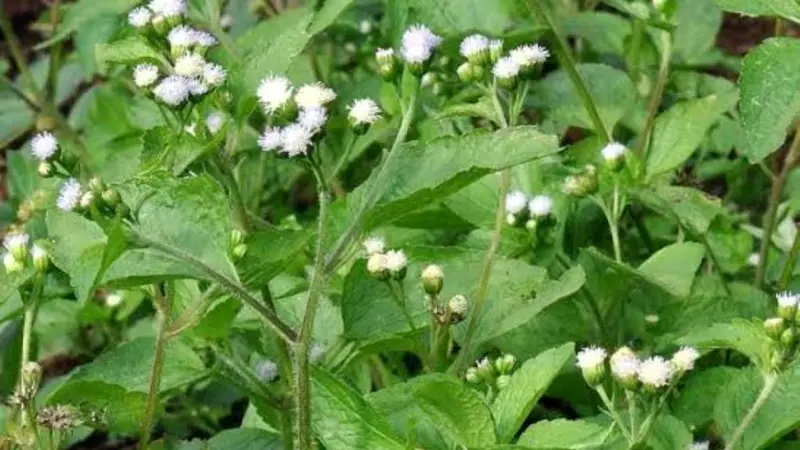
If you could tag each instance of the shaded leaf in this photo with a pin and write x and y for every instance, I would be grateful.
(674, 266)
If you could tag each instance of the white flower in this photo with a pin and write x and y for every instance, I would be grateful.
(190, 65)
(196, 86)
(214, 74)
(313, 118)
(396, 260)
(316, 353)
(699, 445)
(540, 206)
(295, 139)
(613, 152)
(181, 36)
(12, 264)
(113, 299)
(384, 55)
(314, 95)
(364, 111)
(168, 8)
(418, 44)
(505, 68)
(140, 17)
(591, 358)
(651, 318)
(267, 371)
(529, 55)
(17, 245)
(273, 92)
(458, 305)
(376, 263)
(270, 139)
(214, 121)
(624, 364)
(753, 259)
(496, 46)
(173, 90)
(70, 195)
(226, 21)
(655, 372)
(365, 26)
(145, 75)
(40, 257)
(44, 145)
(433, 272)
(684, 358)
(203, 38)
(787, 299)
(516, 202)
(87, 199)
(473, 45)
(374, 244)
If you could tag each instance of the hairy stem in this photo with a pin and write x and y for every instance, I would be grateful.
(770, 382)
(162, 323)
(303, 438)
(614, 414)
(771, 215)
(656, 95)
(564, 55)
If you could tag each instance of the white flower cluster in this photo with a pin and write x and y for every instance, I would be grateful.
(520, 61)
(157, 12)
(614, 155)
(383, 264)
(519, 208)
(17, 252)
(653, 373)
(44, 145)
(418, 44)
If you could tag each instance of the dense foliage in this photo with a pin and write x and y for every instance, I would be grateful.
(399, 224)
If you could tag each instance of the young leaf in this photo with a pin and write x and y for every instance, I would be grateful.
(743, 336)
(674, 267)
(128, 51)
(267, 253)
(567, 434)
(770, 100)
(515, 401)
(787, 9)
(692, 208)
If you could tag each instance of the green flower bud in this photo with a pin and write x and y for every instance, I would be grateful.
(485, 370)
(472, 376)
(111, 197)
(45, 169)
(30, 378)
(774, 327)
(788, 337)
(239, 251)
(12, 264)
(432, 280)
(41, 260)
(502, 381)
(505, 364)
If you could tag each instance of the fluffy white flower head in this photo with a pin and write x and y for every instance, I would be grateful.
(364, 111)
(44, 145)
(591, 358)
(700, 445)
(684, 358)
(540, 206)
(396, 260)
(473, 44)
(314, 95)
(273, 92)
(181, 36)
(316, 353)
(190, 65)
(203, 38)
(213, 74)
(16, 240)
(365, 26)
(529, 55)
(215, 121)
(144, 75)
(787, 299)
(295, 139)
(433, 271)
(624, 363)
(458, 304)
(374, 244)
(655, 372)
(270, 139)
(140, 17)
(173, 90)
(168, 8)
(516, 202)
(505, 68)
(267, 371)
(418, 44)
(383, 54)
(613, 151)
(753, 259)
(376, 263)
(69, 196)
(313, 118)
(113, 299)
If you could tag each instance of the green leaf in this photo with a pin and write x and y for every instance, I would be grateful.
(669, 433)
(10, 282)
(612, 91)
(680, 130)
(342, 420)
(120, 379)
(98, 31)
(128, 51)
(528, 383)
(268, 252)
(567, 434)
(244, 439)
(453, 17)
(695, 405)
(602, 31)
(698, 22)
(331, 9)
(770, 100)
(84, 12)
(424, 173)
(743, 336)
(692, 208)
(674, 267)
(788, 9)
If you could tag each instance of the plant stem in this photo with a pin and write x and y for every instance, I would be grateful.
(656, 95)
(344, 158)
(302, 393)
(239, 209)
(162, 322)
(631, 397)
(611, 410)
(770, 382)
(15, 48)
(27, 330)
(564, 54)
(771, 214)
(377, 188)
(788, 266)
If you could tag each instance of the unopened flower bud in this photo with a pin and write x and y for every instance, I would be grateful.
(592, 362)
(111, 197)
(457, 307)
(495, 50)
(614, 156)
(774, 327)
(432, 280)
(502, 381)
(41, 260)
(387, 63)
(45, 169)
(582, 184)
(624, 368)
(505, 364)
(788, 337)
(469, 72)
(787, 305)
(96, 185)
(376, 266)
(485, 370)
(87, 199)
(395, 263)
(239, 251)
(17, 245)
(31, 376)
(11, 264)
(472, 376)
(236, 237)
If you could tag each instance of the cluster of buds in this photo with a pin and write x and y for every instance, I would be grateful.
(493, 374)
(28, 385)
(19, 253)
(652, 374)
(482, 53)
(303, 114)
(451, 312)
(583, 183)
(45, 148)
(534, 214)
(237, 245)
(783, 328)
(416, 50)
(614, 156)
(385, 264)
(74, 197)
(189, 74)
(59, 417)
